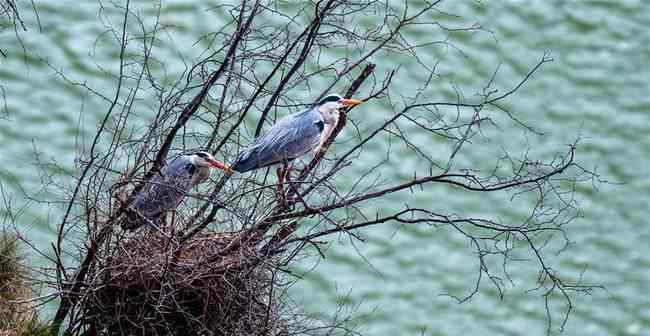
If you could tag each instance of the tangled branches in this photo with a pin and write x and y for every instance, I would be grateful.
(187, 274)
(11, 19)
(138, 290)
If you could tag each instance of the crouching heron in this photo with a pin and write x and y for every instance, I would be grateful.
(164, 191)
(293, 136)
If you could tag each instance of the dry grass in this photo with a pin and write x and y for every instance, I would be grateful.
(15, 318)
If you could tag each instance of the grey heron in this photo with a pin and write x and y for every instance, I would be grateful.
(293, 136)
(165, 190)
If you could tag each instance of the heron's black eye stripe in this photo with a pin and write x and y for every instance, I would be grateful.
(330, 98)
(320, 124)
(190, 168)
(201, 154)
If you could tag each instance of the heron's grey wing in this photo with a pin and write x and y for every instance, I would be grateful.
(166, 189)
(254, 155)
(291, 137)
(302, 136)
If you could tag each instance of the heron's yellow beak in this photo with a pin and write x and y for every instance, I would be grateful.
(350, 102)
(222, 166)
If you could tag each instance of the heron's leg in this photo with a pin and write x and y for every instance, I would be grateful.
(294, 193)
(293, 189)
(280, 171)
(287, 173)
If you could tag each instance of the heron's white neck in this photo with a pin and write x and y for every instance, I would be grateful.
(330, 114)
(331, 120)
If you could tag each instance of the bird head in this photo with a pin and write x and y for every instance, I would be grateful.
(329, 106)
(205, 159)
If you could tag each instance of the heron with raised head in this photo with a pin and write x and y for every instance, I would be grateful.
(293, 136)
(167, 188)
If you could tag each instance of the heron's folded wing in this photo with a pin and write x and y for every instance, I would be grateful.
(291, 137)
(303, 137)
(166, 189)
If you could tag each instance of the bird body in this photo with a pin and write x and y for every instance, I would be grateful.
(294, 135)
(167, 188)
(291, 137)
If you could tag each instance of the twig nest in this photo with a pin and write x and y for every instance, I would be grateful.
(153, 286)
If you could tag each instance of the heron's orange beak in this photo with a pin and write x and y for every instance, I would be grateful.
(222, 166)
(350, 102)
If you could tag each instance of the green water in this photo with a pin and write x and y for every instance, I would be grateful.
(598, 88)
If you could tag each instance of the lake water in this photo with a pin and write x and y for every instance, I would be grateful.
(598, 89)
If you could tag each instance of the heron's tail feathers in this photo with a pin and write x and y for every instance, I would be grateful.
(245, 161)
(244, 166)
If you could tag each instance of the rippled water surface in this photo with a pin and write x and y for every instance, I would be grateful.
(598, 89)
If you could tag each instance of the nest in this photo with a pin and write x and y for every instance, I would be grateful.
(149, 286)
